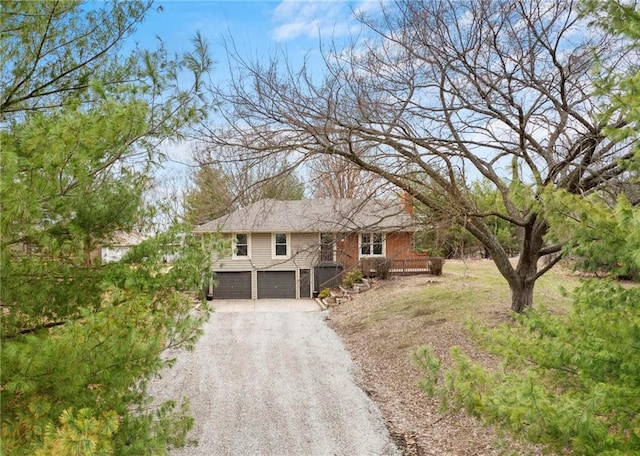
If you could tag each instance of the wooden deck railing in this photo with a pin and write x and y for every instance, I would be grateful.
(409, 266)
(400, 267)
(404, 267)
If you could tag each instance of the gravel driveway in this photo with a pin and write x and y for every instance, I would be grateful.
(274, 383)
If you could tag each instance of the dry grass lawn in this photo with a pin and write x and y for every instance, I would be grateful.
(384, 326)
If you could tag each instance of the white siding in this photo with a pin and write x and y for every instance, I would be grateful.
(304, 249)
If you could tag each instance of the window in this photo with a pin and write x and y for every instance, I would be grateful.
(327, 247)
(371, 244)
(241, 245)
(280, 245)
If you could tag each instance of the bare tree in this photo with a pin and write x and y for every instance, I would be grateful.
(445, 92)
(228, 178)
(332, 176)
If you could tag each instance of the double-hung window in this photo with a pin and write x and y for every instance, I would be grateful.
(371, 244)
(281, 245)
(241, 245)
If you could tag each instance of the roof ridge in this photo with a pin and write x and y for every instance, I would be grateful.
(327, 214)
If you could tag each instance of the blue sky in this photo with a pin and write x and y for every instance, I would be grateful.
(257, 28)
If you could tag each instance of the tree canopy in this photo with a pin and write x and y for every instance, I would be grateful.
(80, 122)
(441, 93)
(571, 382)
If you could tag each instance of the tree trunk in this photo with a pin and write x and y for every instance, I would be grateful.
(522, 278)
(521, 295)
(523, 282)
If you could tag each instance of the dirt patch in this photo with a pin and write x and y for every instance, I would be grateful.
(382, 342)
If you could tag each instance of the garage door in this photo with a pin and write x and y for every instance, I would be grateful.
(276, 284)
(232, 285)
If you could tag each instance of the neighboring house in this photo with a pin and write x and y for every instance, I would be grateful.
(118, 246)
(292, 249)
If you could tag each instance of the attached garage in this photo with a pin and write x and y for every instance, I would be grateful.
(276, 284)
(232, 285)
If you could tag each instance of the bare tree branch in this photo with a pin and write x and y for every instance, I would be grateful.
(439, 94)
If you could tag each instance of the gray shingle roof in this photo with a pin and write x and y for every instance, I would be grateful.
(312, 216)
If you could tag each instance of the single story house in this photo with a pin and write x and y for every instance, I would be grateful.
(292, 249)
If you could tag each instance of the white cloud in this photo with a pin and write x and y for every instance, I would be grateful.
(369, 7)
(294, 29)
(179, 152)
(312, 18)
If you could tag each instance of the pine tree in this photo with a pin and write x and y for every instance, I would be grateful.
(80, 122)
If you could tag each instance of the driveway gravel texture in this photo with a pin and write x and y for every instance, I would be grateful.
(274, 383)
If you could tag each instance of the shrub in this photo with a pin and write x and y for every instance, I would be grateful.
(382, 267)
(324, 293)
(352, 277)
(569, 382)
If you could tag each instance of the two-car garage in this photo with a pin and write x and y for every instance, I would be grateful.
(269, 284)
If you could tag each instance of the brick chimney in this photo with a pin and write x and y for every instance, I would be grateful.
(406, 200)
